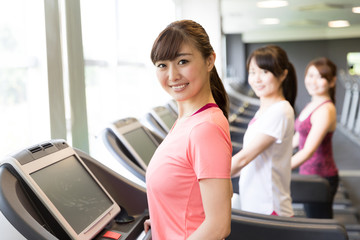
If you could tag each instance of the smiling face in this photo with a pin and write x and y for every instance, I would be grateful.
(187, 77)
(315, 84)
(263, 82)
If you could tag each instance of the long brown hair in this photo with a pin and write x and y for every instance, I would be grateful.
(167, 46)
(274, 59)
(327, 70)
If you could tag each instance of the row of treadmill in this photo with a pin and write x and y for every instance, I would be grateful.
(54, 191)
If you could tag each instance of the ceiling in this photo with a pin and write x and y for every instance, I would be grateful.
(300, 20)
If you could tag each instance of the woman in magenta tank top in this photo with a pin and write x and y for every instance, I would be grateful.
(314, 130)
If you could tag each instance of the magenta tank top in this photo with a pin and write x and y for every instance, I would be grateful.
(322, 162)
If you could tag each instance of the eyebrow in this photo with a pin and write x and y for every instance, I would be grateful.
(183, 54)
(177, 56)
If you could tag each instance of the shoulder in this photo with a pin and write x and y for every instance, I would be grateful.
(280, 109)
(206, 129)
(210, 126)
(325, 116)
(210, 139)
(285, 106)
(211, 117)
(327, 109)
(281, 106)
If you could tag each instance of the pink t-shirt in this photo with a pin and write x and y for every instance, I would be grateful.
(198, 147)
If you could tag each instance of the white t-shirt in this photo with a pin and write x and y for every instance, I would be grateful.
(265, 182)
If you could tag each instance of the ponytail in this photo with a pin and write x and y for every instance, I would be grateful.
(289, 85)
(219, 93)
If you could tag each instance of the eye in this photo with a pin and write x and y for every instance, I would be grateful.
(251, 71)
(160, 65)
(183, 61)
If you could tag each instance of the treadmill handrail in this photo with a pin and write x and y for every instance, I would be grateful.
(148, 235)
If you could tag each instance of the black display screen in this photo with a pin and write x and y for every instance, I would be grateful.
(73, 191)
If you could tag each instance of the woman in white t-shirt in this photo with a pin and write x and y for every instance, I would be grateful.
(264, 163)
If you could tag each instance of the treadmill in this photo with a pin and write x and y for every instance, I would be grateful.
(28, 197)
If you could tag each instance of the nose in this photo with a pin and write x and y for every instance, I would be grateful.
(173, 73)
(256, 77)
(311, 79)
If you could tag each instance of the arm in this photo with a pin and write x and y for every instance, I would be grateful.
(323, 121)
(295, 142)
(247, 154)
(216, 197)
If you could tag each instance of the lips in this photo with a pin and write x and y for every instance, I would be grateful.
(179, 87)
(259, 87)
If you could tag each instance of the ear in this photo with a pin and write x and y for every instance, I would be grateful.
(284, 75)
(333, 82)
(211, 61)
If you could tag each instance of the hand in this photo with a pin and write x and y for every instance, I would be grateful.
(147, 225)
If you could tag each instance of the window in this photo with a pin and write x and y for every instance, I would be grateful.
(353, 61)
(120, 78)
(23, 76)
(117, 39)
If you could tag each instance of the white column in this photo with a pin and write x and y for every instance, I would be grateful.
(79, 125)
(55, 69)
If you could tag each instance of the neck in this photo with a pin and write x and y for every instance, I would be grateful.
(318, 99)
(187, 108)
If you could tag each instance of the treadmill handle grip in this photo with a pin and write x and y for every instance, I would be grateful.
(148, 235)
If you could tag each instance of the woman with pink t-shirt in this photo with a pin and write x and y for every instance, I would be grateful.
(314, 130)
(188, 179)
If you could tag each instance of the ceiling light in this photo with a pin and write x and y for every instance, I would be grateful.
(356, 9)
(269, 21)
(338, 24)
(272, 4)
